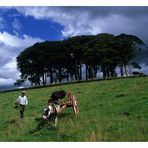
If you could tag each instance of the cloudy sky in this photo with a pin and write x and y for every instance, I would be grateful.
(21, 27)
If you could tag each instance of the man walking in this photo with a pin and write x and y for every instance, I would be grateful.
(22, 101)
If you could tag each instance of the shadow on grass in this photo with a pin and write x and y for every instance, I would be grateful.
(12, 122)
(41, 125)
(120, 95)
(47, 124)
(65, 115)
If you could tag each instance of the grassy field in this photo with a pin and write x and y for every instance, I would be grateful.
(110, 110)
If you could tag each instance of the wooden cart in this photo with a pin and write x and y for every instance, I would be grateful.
(71, 101)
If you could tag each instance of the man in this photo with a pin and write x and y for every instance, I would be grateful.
(22, 101)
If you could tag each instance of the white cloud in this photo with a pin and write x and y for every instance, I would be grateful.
(92, 20)
(2, 23)
(75, 21)
(10, 65)
(9, 71)
(15, 41)
(10, 47)
(8, 81)
(144, 68)
(16, 24)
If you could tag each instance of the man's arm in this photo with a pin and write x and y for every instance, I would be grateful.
(18, 99)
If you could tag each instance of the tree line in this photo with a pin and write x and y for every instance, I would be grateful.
(67, 58)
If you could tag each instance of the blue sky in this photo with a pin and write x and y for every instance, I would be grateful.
(18, 24)
(21, 27)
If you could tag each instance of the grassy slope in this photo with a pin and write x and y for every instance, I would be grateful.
(115, 110)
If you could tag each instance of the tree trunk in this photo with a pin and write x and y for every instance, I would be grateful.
(104, 71)
(130, 71)
(43, 79)
(80, 71)
(95, 72)
(76, 75)
(107, 70)
(121, 70)
(38, 79)
(89, 72)
(86, 72)
(67, 77)
(125, 70)
(51, 78)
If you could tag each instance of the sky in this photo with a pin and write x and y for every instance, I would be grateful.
(21, 27)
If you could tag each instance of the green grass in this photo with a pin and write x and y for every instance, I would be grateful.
(110, 110)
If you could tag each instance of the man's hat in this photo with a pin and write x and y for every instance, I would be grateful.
(23, 92)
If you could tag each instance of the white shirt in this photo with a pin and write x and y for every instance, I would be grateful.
(22, 100)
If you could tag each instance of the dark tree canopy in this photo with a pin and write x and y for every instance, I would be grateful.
(65, 59)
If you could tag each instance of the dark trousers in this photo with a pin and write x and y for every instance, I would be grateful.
(22, 109)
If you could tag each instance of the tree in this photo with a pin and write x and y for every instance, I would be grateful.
(127, 47)
(135, 65)
(100, 51)
(75, 50)
(19, 82)
(64, 59)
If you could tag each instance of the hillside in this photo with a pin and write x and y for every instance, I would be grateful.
(110, 110)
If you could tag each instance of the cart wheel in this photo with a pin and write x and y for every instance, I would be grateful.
(75, 105)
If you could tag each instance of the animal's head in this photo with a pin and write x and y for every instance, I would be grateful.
(47, 111)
